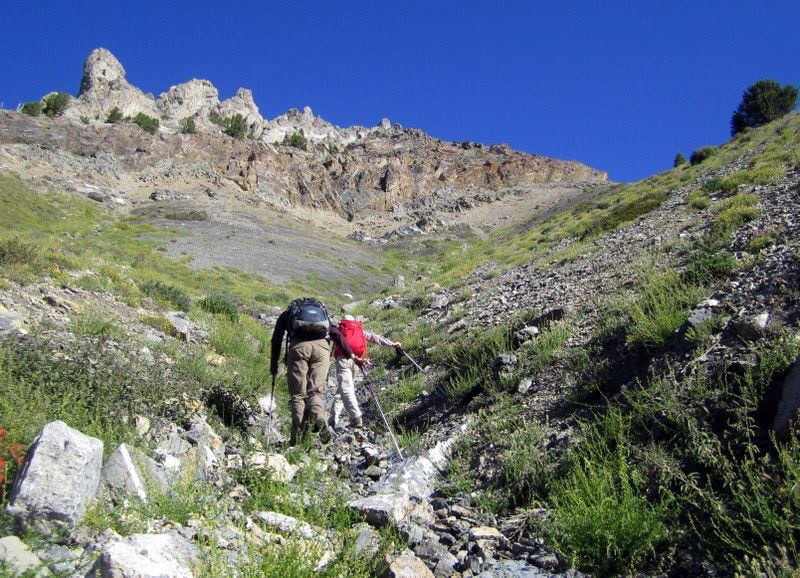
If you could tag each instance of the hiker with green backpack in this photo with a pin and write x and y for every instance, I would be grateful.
(357, 340)
(308, 357)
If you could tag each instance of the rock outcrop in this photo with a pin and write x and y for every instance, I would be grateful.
(103, 87)
(354, 171)
(58, 480)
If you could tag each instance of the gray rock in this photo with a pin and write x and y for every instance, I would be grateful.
(17, 557)
(512, 569)
(407, 566)
(184, 327)
(129, 471)
(368, 541)
(382, 509)
(438, 556)
(411, 533)
(146, 556)
(790, 401)
(59, 479)
(289, 525)
(11, 322)
(526, 334)
(439, 300)
(524, 385)
(504, 363)
(751, 327)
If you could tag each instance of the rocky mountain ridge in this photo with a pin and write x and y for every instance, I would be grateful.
(358, 174)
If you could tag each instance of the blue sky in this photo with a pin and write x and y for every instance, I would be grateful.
(619, 85)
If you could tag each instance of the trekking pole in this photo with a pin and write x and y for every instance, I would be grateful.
(411, 359)
(380, 410)
(271, 409)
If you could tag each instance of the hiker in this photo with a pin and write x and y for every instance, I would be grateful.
(357, 339)
(308, 357)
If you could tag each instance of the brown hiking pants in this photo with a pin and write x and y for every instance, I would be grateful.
(307, 364)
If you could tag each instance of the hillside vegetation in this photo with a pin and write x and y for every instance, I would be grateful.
(632, 430)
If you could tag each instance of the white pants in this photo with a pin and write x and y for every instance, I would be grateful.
(345, 391)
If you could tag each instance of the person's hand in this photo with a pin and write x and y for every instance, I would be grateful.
(397, 345)
(360, 361)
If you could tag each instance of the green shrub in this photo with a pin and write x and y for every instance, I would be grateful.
(703, 153)
(166, 293)
(146, 123)
(297, 140)
(188, 125)
(96, 324)
(33, 108)
(760, 176)
(219, 305)
(679, 160)
(707, 263)
(602, 520)
(236, 126)
(661, 306)
(114, 115)
(698, 200)
(55, 104)
(763, 102)
(735, 212)
(759, 242)
(15, 251)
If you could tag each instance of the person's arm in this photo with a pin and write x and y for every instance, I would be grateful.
(380, 340)
(277, 341)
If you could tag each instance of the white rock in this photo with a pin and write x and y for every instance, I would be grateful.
(129, 470)
(18, 558)
(59, 479)
(146, 556)
(289, 525)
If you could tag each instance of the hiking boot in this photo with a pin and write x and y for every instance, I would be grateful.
(325, 433)
(357, 423)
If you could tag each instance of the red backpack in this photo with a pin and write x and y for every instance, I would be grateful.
(353, 332)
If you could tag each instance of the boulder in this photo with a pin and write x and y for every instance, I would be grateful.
(382, 509)
(277, 464)
(18, 558)
(183, 326)
(790, 401)
(129, 471)
(406, 565)
(146, 556)
(59, 479)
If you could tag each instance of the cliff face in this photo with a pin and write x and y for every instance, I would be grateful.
(350, 171)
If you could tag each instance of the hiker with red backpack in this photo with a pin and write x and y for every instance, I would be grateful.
(357, 340)
(308, 357)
